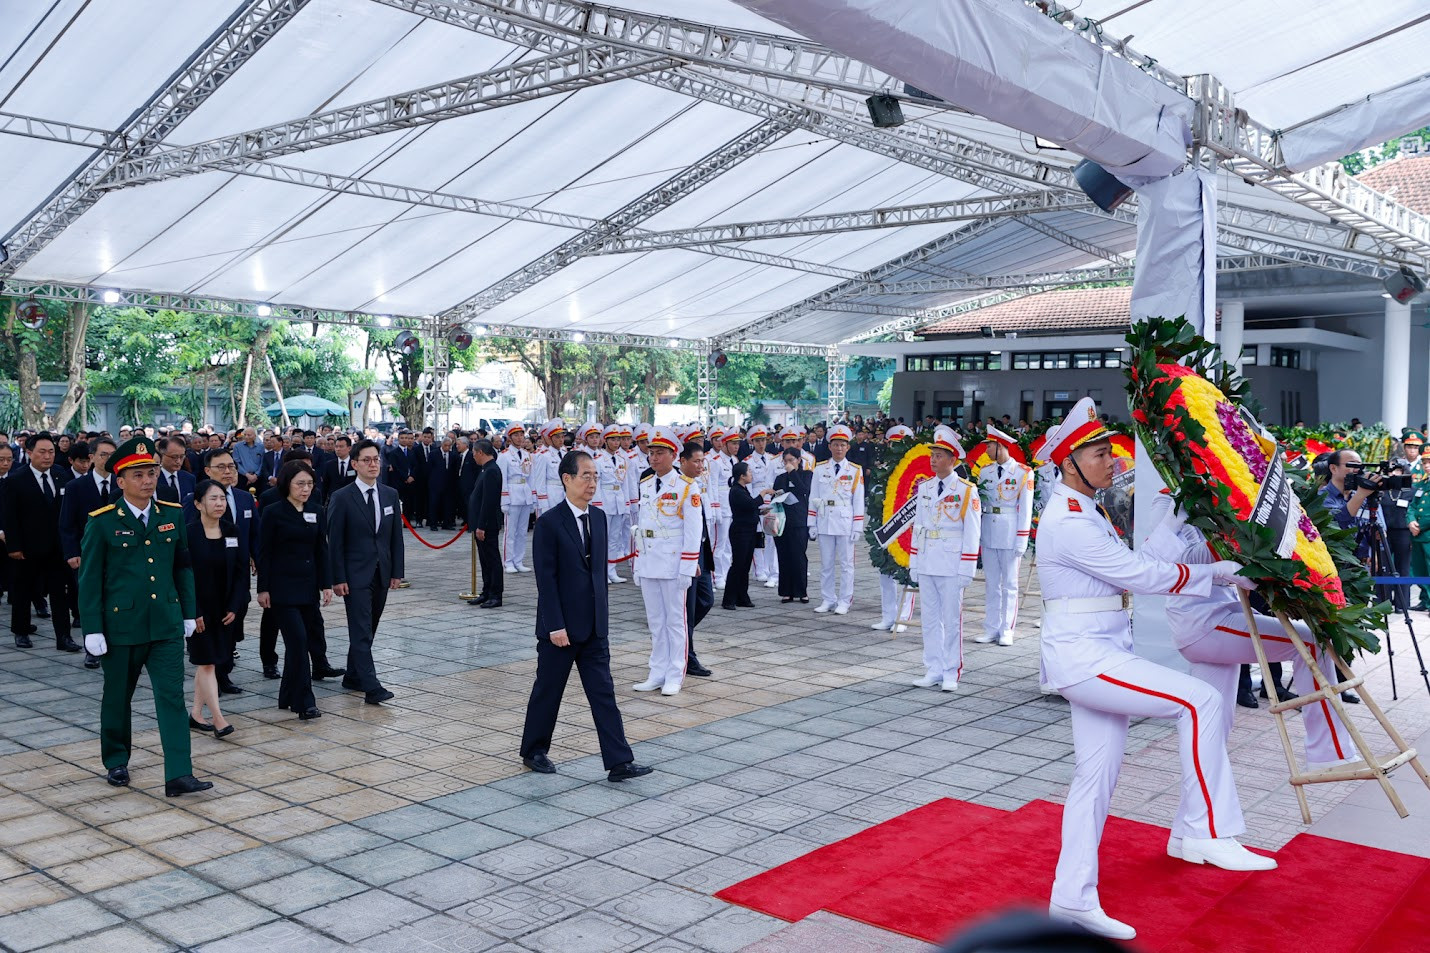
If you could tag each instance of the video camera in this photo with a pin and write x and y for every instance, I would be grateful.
(1389, 481)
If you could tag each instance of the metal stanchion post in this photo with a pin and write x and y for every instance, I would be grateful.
(470, 596)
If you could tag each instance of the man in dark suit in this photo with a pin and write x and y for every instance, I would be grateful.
(434, 478)
(572, 618)
(442, 492)
(272, 462)
(365, 546)
(337, 470)
(484, 517)
(465, 468)
(175, 486)
(32, 539)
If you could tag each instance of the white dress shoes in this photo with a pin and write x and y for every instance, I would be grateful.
(647, 686)
(1223, 852)
(841, 609)
(824, 607)
(928, 681)
(882, 626)
(985, 638)
(949, 685)
(670, 689)
(1005, 639)
(1094, 920)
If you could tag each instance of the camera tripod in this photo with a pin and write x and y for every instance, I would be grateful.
(1383, 565)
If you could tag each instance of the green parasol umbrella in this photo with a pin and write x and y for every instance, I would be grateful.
(307, 405)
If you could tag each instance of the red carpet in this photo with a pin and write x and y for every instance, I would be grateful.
(929, 872)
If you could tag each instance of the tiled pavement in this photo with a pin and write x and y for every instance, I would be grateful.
(414, 827)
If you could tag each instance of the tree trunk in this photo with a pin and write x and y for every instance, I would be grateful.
(648, 398)
(27, 372)
(602, 397)
(258, 353)
(75, 368)
(551, 382)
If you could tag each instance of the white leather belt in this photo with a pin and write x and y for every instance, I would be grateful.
(1089, 604)
(662, 533)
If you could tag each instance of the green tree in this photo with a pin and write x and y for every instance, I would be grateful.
(1358, 162)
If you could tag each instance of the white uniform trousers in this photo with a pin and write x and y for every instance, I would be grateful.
(889, 610)
(1101, 707)
(513, 535)
(942, 621)
(836, 569)
(618, 541)
(766, 564)
(722, 552)
(665, 614)
(1000, 573)
(1218, 656)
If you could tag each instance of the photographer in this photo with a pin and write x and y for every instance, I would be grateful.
(1351, 497)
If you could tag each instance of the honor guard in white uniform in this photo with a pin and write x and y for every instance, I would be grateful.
(892, 615)
(718, 502)
(792, 438)
(1086, 572)
(836, 519)
(1211, 633)
(638, 454)
(764, 467)
(544, 479)
(947, 524)
(518, 498)
(611, 473)
(668, 536)
(1007, 488)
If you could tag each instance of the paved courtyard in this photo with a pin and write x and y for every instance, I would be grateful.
(414, 826)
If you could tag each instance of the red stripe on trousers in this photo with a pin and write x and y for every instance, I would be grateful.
(1325, 709)
(1196, 755)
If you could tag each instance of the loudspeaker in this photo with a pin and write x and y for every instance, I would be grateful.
(1403, 285)
(1105, 190)
(885, 111)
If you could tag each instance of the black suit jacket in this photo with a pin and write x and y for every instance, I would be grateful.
(80, 499)
(798, 482)
(32, 525)
(235, 565)
(293, 563)
(358, 552)
(246, 520)
(484, 505)
(186, 487)
(331, 480)
(744, 513)
(272, 463)
(399, 466)
(466, 467)
(570, 587)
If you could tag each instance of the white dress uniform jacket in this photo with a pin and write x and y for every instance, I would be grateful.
(517, 467)
(668, 528)
(836, 499)
(1008, 505)
(947, 528)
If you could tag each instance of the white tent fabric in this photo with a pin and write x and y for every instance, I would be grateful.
(94, 63)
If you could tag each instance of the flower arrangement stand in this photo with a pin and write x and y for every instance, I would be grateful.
(1370, 765)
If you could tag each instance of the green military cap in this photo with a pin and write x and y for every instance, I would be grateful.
(1412, 436)
(135, 452)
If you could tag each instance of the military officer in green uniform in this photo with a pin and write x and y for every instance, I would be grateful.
(136, 606)
(1413, 443)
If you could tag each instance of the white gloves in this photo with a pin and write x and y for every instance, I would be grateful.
(189, 626)
(813, 533)
(95, 645)
(1225, 574)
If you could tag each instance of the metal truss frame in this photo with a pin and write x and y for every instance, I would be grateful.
(437, 365)
(835, 364)
(711, 166)
(234, 44)
(556, 73)
(707, 384)
(51, 130)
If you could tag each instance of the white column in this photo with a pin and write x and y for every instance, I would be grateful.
(1233, 331)
(1395, 379)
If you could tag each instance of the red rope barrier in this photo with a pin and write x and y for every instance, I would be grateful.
(427, 544)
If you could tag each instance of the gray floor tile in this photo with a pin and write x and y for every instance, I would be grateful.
(437, 934)
(589, 932)
(516, 911)
(732, 929)
(42, 926)
(302, 890)
(465, 839)
(363, 915)
(386, 864)
(153, 894)
(524, 860)
(280, 936)
(448, 886)
(207, 920)
(536, 817)
(591, 882)
(663, 908)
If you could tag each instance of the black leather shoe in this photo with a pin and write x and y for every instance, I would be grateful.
(378, 697)
(91, 661)
(492, 604)
(308, 715)
(351, 685)
(327, 671)
(624, 772)
(695, 668)
(727, 605)
(1247, 699)
(68, 645)
(271, 671)
(1350, 698)
(223, 732)
(229, 688)
(539, 763)
(42, 613)
(23, 642)
(197, 725)
(32, 630)
(188, 784)
(118, 777)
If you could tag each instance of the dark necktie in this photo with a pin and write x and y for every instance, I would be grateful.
(174, 485)
(836, 469)
(940, 489)
(376, 514)
(1000, 471)
(45, 485)
(586, 535)
(143, 519)
(657, 484)
(104, 489)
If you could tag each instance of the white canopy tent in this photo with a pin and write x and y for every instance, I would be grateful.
(549, 167)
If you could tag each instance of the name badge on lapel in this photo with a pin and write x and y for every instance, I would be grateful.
(248, 514)
(310, 517)
(231, 542)
(387, 511)
(124, 532)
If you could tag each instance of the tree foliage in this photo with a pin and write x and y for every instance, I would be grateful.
(1358, 162)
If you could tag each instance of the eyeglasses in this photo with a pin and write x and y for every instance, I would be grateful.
(301, 484)
(222, 466)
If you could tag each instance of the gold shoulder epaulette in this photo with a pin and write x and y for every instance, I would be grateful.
(102, 509)
(167, 503)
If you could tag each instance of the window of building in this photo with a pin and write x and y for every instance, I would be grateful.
(954, 362)
(1285, 357)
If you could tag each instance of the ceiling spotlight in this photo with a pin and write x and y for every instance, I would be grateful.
(1106, 190)
(1403, 285)
(885, 111)
(479, 330)
(265, 310)
(578, 337)
(995, 352)
(383, 321)
(986, 330)
(110, 297)
(673, 342)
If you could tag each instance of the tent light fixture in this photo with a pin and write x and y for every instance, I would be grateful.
(479, 330)
(673, 342)
(264, 310)
(1106, 190)
(885, 111)
(383, 321)
(578, 337)
(1403, 285)
(110, 297)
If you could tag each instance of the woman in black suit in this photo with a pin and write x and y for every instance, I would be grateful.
(221, 590)
(744, 530)
(292, 571)
(790, 545)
